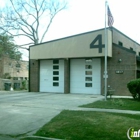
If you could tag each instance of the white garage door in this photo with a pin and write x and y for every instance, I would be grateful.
(52, 76)
(85, 76)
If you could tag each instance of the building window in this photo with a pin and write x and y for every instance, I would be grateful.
(15, 78)
(55, 84)
(120, 43)
(131, 48)
(88, 84)
(55, 61)
(18, 65)
(139, 53)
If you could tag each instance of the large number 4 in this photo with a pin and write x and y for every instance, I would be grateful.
(99, 45)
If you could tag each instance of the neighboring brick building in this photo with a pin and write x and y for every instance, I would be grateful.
(17, 70)
(75, 64)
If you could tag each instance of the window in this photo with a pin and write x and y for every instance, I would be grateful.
(131, 49)
(88, 72)
(55, 67)
(18, 65)
(55, 84)
(88, 84)
(55, 72)
(88, 66)
(55, 78)
(88, 78)
(139, 53)
(21, 78)
(55, 61)
(15, 78)
(120, 43)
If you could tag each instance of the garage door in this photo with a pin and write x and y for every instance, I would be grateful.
(52, 76)
(85, 76)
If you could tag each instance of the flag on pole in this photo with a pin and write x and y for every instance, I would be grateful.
(110, 17)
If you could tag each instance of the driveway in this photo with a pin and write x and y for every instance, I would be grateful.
(26, 112)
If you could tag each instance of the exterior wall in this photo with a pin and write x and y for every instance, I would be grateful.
(1, 67)
(118, 81)
(74, 46)
(127, 42)
(8, 65)
(34, 67)
(66, 76)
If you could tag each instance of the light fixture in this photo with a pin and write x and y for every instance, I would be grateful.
(119, 60)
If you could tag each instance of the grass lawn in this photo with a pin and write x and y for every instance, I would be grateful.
(116, 103)
(89, 125)
(80, 125)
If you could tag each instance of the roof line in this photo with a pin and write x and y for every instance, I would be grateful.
(110, 28)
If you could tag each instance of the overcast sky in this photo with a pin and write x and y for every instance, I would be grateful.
(87, 15)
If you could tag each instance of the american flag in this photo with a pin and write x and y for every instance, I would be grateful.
(110, 17)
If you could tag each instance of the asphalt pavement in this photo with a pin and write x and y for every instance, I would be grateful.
(23, 113)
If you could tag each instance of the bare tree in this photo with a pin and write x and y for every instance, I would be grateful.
(30, 18)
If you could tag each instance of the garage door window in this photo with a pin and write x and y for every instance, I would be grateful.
(88, 72)
(55, 84)
(55, 78)
(88, 60)
(55, 67)
(88, 79)
(88, 84)
(55, 72)
(88, 66)
(55, 61)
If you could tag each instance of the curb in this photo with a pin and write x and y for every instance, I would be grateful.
(40, 138)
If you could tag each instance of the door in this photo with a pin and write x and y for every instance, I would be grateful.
(52, 76)
(85, 75)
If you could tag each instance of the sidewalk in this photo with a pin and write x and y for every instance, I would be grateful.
(94, 110)
(106, 110)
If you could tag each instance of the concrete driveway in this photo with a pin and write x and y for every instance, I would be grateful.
(26, 112)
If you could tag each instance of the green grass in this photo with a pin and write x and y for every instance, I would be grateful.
(116, 103)
(89, 125)
(80, 125)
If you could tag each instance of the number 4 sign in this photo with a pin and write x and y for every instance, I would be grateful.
(99, 45)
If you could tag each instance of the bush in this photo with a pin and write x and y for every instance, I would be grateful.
(134, 88)
(24, 84)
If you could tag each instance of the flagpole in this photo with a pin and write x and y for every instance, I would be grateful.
(105, 67)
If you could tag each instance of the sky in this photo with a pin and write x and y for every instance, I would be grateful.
(88, 15)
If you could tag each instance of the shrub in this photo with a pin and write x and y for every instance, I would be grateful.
(24, 84)
(134, 88)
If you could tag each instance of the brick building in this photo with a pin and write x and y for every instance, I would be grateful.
(10, 68)
(75, 64)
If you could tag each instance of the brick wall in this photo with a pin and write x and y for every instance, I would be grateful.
(127, 65)
(66, 76)
(34, 75)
